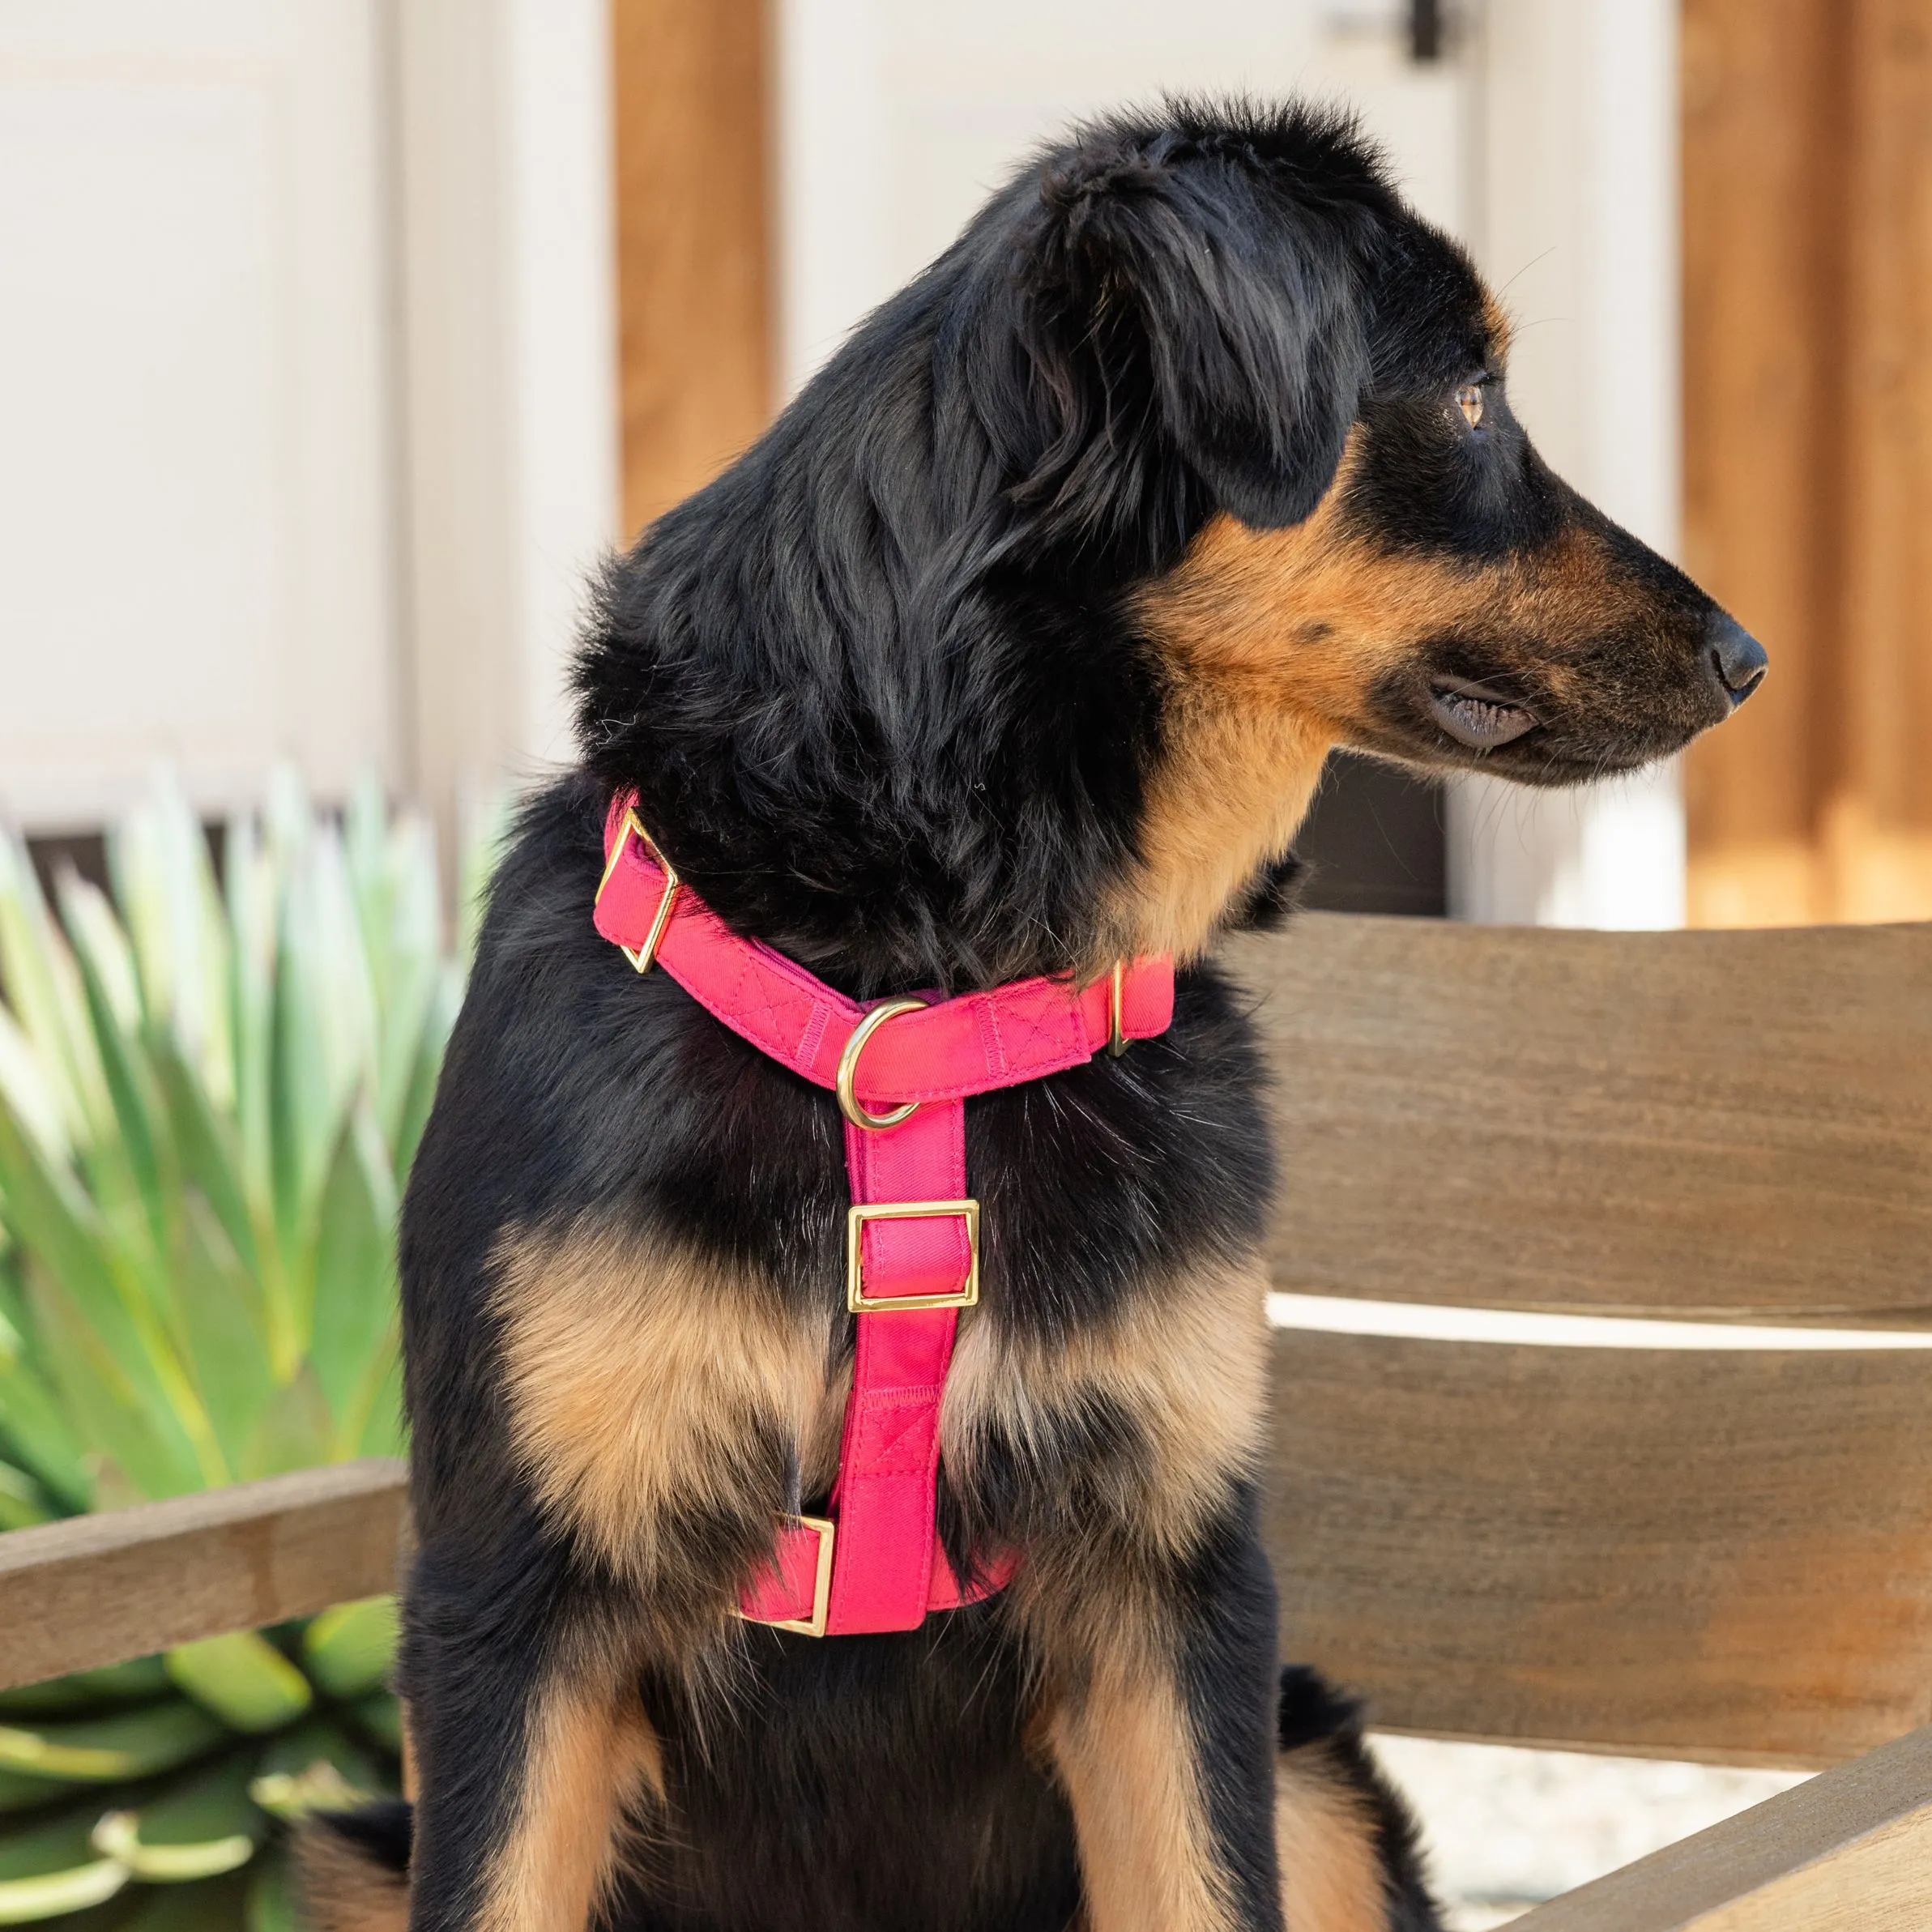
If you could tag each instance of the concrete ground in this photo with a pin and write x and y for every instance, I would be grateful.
(1507, 1829)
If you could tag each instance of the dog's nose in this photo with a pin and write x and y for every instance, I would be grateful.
(1736, 656)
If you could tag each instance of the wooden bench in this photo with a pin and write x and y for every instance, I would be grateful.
(1711, 1552)
(1720, 1553)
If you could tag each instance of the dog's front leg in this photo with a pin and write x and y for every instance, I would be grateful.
(530, 1746)
(1161, 1734)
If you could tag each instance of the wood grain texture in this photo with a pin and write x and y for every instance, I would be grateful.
(1763, 98)
(1849, 1851)
(1719, 1125)
(1724, 1556)
(693, 254)
(1879, 818)
(1807, 227)
(98, 1590)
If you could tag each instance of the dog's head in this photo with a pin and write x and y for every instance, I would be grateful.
(1023, 637)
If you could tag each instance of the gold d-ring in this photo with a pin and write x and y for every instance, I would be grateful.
(1117, 1009)
(848, 1067)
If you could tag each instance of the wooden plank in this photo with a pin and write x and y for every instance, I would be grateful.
(97, 1590)
(1764, 100)
(1807, 176)
(1716, 1556)
(1849, 1851)
(1730, 1126)
(1878, 825)
(693, 266)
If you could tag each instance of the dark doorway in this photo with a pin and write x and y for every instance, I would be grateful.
(1373, 841)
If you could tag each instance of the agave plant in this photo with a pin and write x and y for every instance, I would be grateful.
(210, 1094)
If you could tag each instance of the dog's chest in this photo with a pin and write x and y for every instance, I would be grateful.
(640, 1384)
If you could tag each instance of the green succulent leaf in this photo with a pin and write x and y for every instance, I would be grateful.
(214, 1903)
(379, 1716)
(318, 1767)
(50, 1867)
(294, 1431)
(41, 1434)
(349, 1650)
(137, 1439)
(43, 993)
(130, 1166)
(219, 1317)
(271, 1895)
(211, 1093)
(129, 1744)
(208, 1145)
(199, 1826)
(85, 1692)
(242, 1680)
(21, 1791)
(353, 1290)
(24, 1503)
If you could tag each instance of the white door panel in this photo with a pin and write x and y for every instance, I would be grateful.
(195, 466)
(897, 117)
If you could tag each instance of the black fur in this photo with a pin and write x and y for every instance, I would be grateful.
(380, 1831)
(575, 1089)
(884, 696)
(964, 1754)
(876, 686)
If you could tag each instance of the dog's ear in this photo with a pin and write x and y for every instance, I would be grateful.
(1207, 298)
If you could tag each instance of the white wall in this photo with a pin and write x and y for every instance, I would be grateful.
(508, 317)
(897, 117)
(307, 390)
(197, 490)
(1579, 231)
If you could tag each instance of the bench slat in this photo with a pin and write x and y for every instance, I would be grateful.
(1849, 1851)
(1719, 1556)
(98, 1590)
(1731, 1126)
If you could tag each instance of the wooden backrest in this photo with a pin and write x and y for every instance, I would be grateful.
(1736, 1126)
(1713, 1552)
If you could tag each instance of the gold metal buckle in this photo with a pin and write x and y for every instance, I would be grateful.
(813, 1626)
(1117, 1042)
(848, 1067)
(633, 828)
(857, 1301)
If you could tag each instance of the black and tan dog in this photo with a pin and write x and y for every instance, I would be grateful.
(1016, 644)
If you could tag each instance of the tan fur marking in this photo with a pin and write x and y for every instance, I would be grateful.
(408, 1751)
(636, 1378)
(1331, 1872)
(589, 1761)
(1274, 639)
(1499, 329)
(1187, 1361)
(343, 1892)
(1127, 1761)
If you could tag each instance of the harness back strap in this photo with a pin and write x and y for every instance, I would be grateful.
(902, 1070)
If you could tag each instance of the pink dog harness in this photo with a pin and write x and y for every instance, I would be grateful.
(902, 1069)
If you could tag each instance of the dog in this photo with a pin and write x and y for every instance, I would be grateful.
(1013, 650)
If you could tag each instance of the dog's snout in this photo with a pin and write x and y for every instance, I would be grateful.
(1737, 658)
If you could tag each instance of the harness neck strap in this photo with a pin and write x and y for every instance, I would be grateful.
(902, 1071)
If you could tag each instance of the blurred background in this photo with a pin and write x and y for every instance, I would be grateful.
(339, 337)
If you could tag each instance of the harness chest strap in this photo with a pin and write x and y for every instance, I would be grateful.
(902, 1071)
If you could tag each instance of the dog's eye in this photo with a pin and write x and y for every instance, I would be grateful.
(1468, 399)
